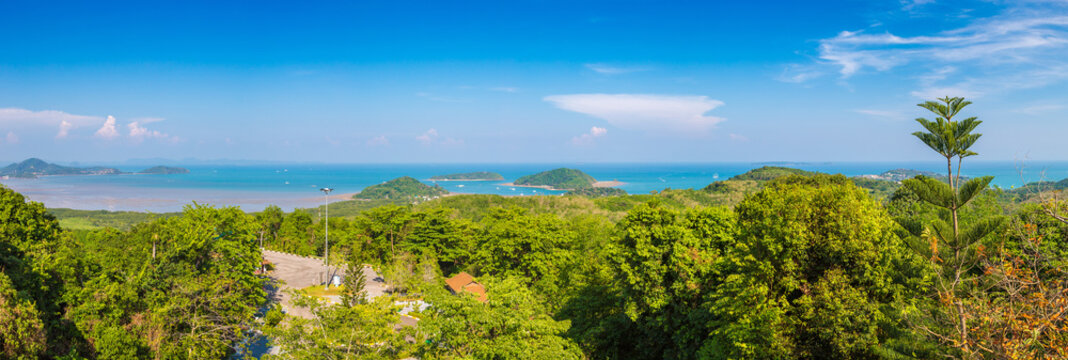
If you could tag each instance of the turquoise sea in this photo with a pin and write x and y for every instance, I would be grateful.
(296, 185)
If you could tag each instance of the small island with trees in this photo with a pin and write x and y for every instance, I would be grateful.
(560, 179)
(471, 176)
(400, 188)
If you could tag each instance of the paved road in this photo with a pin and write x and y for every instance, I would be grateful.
(298, 272)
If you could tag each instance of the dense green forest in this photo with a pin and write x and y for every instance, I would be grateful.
(478, 175)
(562, 178)
(776, 263)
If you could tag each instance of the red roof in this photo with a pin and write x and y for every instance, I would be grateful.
(465, 282)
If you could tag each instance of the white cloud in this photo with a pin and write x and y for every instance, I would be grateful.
(108, 130)
(430, 137)
(612, 70)
(507, 89)
(427, 137)
(738, 137)
(12, 138)
(1025, 46)
(674, 113)
(9, 116)
(587, 138)
(65, 122)
(797, 74)
(1040, 109)
(379, 140)
(64, 129)
(139, 133)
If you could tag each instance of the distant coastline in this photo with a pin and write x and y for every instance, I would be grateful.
(598, 184)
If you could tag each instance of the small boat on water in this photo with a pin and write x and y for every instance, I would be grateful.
(461, 185)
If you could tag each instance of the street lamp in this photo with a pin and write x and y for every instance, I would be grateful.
(326, 226)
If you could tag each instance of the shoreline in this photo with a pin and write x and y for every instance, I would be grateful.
(464, 180)
(598, 184)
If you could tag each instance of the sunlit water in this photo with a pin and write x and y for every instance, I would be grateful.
(296, 185)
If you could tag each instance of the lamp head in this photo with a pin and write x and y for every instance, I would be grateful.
(326, 190)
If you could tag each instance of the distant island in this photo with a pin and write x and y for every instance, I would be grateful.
(164, 170)
(33, 167)
(405, 187)
(902, 174)
(562, 179)
(471, 176)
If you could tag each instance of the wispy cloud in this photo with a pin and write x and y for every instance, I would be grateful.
(379, 140)
(65, 122)
(507, 89)
(108, 131)
(673, 113)
(431, 137)
(1040, 109)
(892, 115)
(427, 137)
(797, 74)
(12, 138)
(139, 133)
(587, 138)
(738, 137)
(607, 69)
(1023, 47)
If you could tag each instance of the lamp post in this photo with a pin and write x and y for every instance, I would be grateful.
(326, 226)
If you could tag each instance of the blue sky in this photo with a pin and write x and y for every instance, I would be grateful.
(525, 81)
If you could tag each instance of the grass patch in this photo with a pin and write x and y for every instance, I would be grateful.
(319, 291)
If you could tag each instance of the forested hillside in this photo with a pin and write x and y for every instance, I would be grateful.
(406, 187)
(562, 178)
(772, 264)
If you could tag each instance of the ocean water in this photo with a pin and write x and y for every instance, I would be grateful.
(296, 185)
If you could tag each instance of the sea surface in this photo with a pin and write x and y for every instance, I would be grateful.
(253, 187)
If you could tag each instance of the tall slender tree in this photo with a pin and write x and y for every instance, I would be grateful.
(950, 250)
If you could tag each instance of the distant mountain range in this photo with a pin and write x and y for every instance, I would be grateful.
(34, 167)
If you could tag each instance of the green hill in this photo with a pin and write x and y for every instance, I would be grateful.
(562, 178)
(164, 170)
(34, 167)
(768, 173)
(478, 175)
(405, 187)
